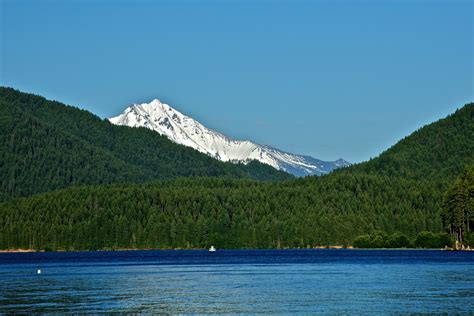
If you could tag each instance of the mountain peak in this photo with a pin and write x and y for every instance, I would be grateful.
(184, 130)
(153, 105)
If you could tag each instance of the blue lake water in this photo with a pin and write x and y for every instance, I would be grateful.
(239, 281)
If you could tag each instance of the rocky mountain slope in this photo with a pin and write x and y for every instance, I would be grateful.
(184, 130)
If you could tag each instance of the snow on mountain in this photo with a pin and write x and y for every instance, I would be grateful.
(184, 130)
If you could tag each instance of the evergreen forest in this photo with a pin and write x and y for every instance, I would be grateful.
(71, 181)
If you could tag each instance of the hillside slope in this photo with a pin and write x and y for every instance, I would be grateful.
(439, 150)
(37, 157)
(46, 145)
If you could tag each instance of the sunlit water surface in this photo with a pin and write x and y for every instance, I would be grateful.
(268, 281)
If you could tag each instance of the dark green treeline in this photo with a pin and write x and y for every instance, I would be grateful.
(226, 213)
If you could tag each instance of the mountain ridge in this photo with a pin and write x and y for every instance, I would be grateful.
(46, 145)
(184, 130)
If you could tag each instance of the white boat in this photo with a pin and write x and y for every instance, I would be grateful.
(212, 248)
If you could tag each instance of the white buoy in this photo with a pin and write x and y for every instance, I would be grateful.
(212, 249)
(39, 271)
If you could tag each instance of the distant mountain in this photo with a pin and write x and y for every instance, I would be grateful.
(184, 130)
(46, 145)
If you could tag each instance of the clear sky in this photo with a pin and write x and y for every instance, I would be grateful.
(325, 78)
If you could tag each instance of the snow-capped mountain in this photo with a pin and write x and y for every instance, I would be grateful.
(184, 130)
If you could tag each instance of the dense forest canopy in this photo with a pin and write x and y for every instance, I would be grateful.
(46, 145)
(227, 213)
(395, 199)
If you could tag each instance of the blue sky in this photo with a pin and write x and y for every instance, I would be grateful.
(325, 78)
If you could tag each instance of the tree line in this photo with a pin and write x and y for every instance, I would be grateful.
(226, 213)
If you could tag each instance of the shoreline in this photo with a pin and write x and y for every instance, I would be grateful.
(19, 250)
(337, 247)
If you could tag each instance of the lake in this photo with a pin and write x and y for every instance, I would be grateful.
(239, 281)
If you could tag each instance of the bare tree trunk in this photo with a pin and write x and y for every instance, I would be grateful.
(467, 222)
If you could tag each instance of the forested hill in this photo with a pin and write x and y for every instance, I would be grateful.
(371, 198)
(46, 145)
(440, 150)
